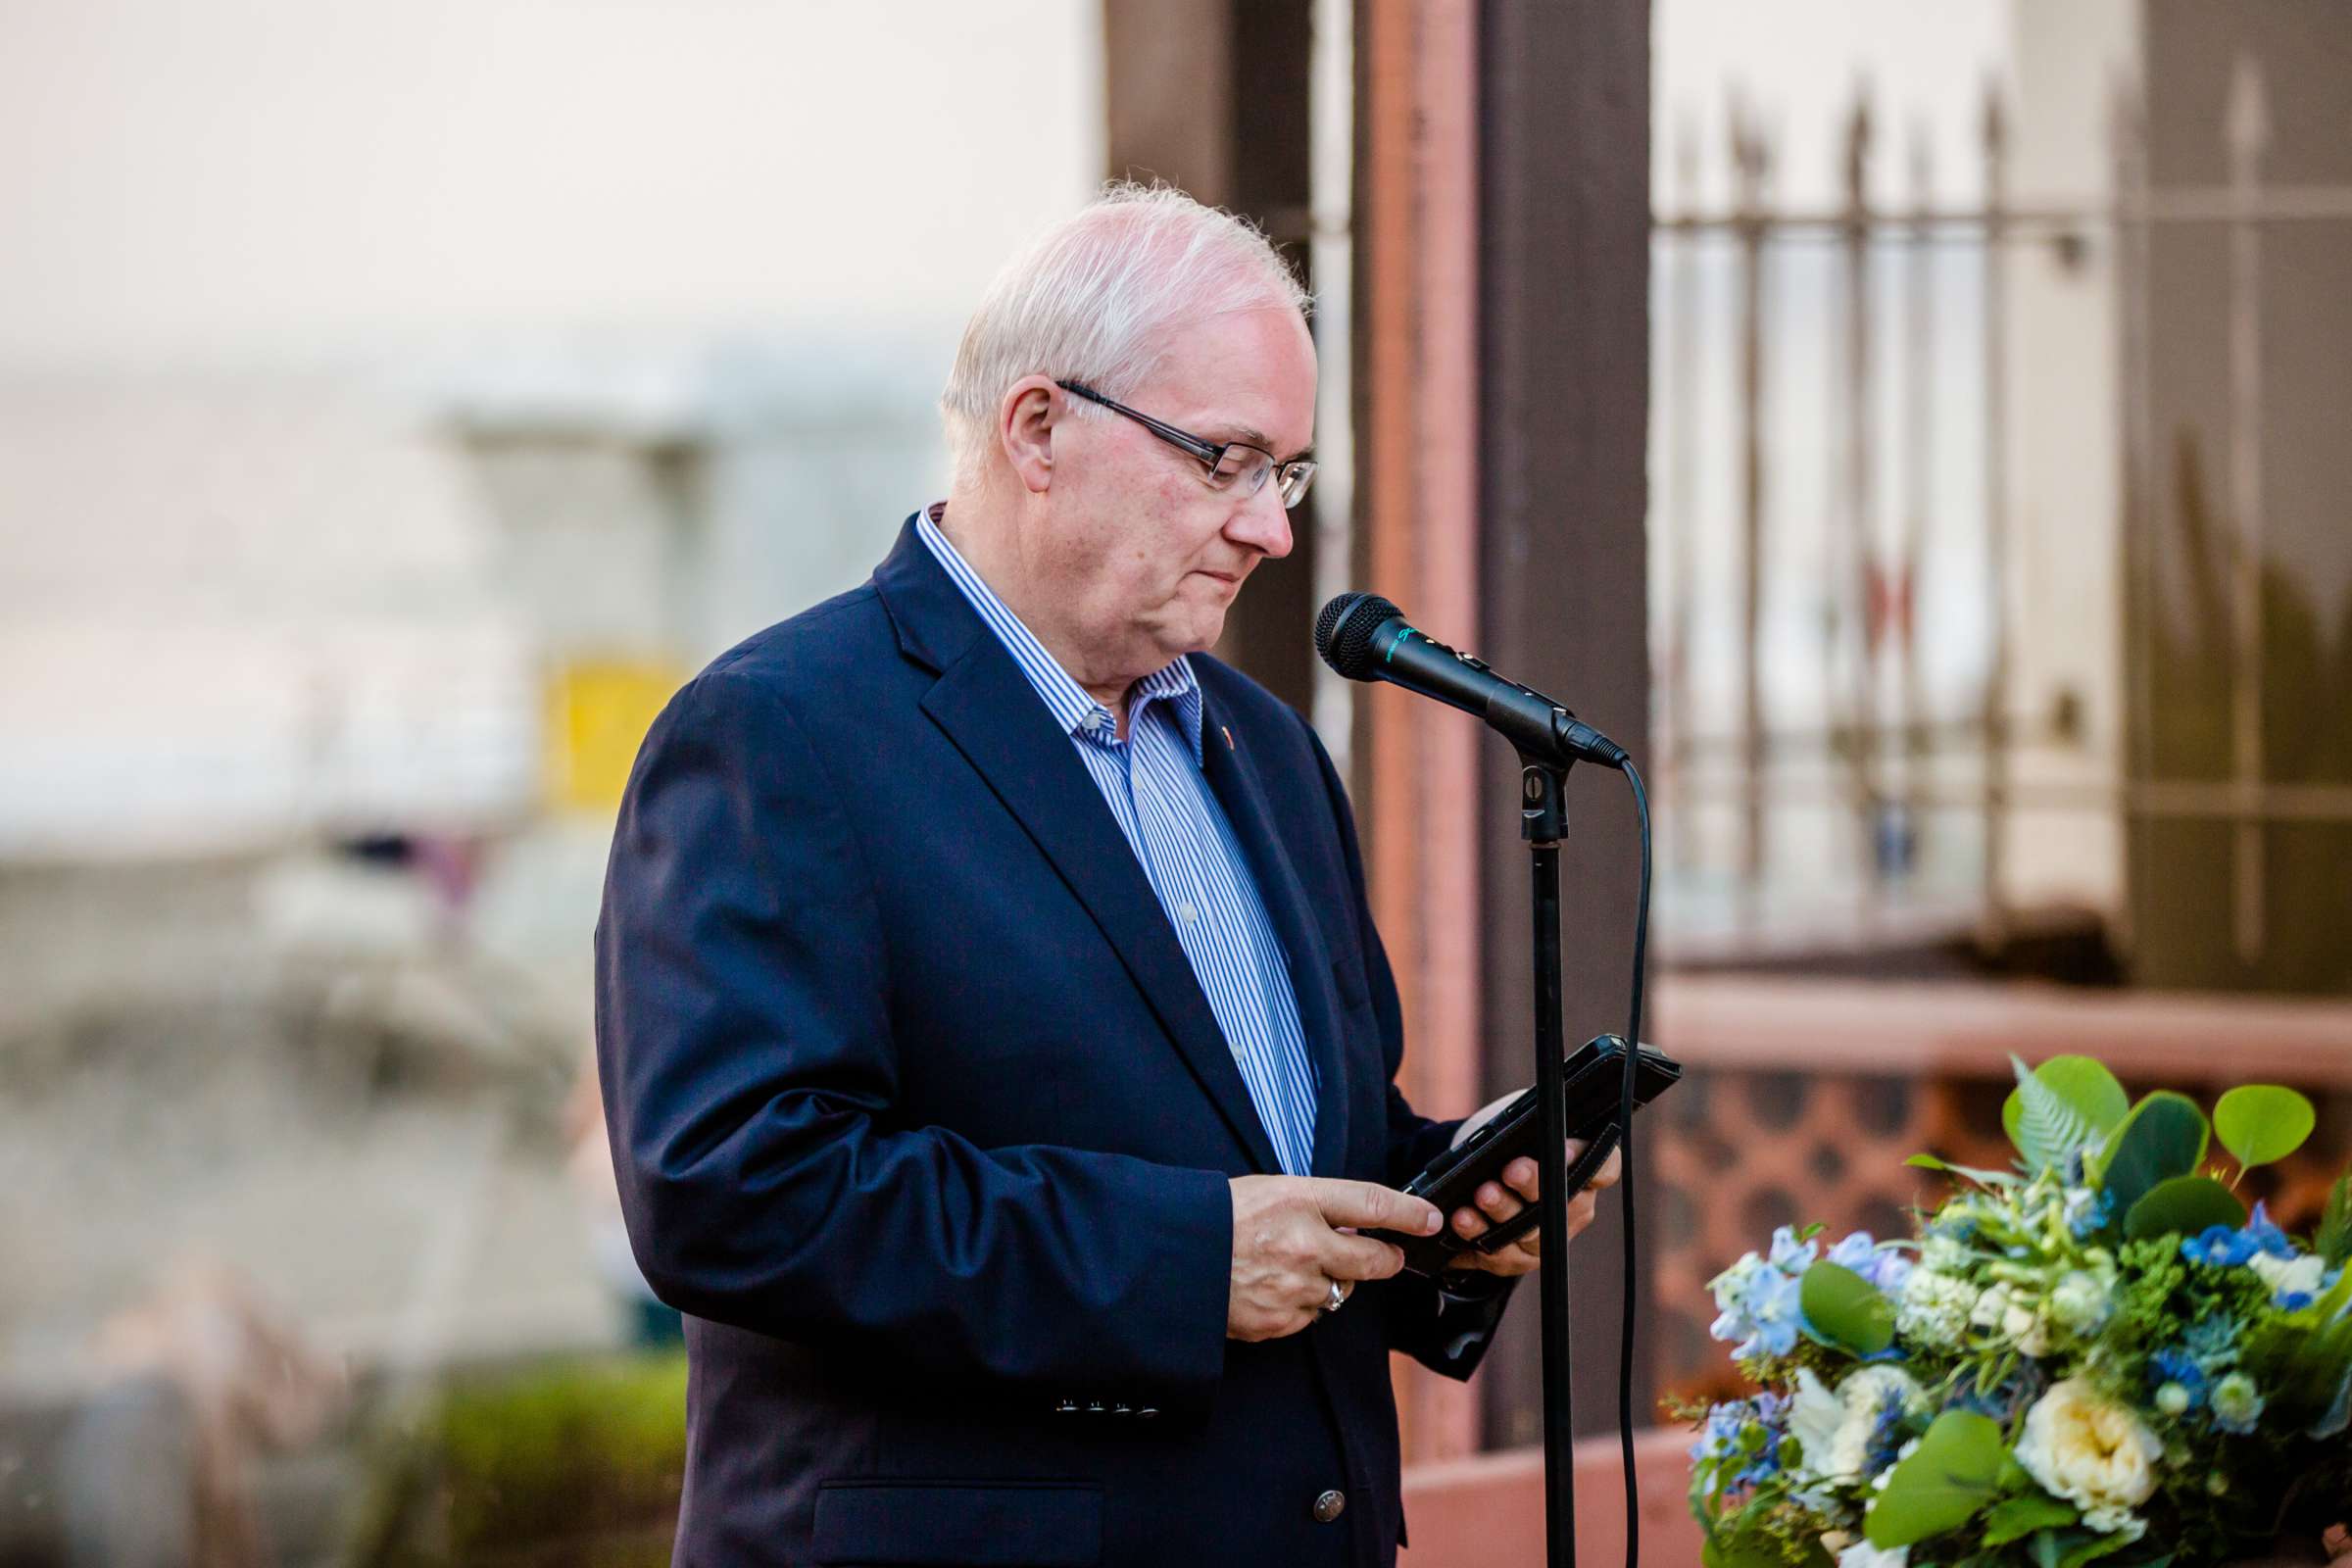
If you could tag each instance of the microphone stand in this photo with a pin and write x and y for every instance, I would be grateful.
(1543, 824)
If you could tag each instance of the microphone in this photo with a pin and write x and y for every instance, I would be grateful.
(1364, 637)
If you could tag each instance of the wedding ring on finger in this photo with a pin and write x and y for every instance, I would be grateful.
(1336, 1300)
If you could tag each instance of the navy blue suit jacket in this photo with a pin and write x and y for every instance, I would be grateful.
(922, 1119)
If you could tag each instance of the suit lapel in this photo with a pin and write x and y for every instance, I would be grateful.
(991, 713)
(1234, 776)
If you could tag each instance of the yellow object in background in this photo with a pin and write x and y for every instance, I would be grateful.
(598, 712)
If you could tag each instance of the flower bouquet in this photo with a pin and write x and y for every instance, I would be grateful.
(2101, 1356)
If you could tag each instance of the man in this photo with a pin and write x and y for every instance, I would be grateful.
(996, 1049)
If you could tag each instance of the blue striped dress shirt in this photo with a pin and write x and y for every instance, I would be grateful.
(1155, 787)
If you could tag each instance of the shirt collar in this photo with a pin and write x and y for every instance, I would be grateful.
(1074, 709)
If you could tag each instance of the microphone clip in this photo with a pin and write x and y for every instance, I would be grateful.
(1542, 802)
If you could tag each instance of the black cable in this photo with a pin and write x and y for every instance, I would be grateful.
(1625, 1147)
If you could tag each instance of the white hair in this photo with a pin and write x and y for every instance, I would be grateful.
(1092, 298)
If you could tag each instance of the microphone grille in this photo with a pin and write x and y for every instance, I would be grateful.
(1343, 632)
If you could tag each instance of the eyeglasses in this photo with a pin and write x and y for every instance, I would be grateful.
(1231, 465)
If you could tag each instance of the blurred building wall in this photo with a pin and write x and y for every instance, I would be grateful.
(397, 398)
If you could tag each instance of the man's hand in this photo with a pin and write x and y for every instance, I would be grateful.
(1291, 1241)
(1500, 1200)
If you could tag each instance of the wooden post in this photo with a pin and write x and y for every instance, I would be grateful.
(1417, 492)
(1563, 395)
(1212, 96)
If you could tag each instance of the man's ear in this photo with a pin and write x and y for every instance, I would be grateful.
(1025, 422)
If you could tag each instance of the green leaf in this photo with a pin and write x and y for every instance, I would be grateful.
(2335, 1239)
(2164, 1137)
(2084, 1084)
(2045, 1128)
(1744, 1545)
(1845, 1309)
(2096, 1547)
(1953, 1473)
(1982, 1178)
(2262, 1122)
(2183, 1206)
(2019, 1517)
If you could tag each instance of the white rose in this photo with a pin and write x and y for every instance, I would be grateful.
(2095, 1454)
(2284, 1274)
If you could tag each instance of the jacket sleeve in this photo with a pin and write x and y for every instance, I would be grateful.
(750, 1071)
(1446, 1325)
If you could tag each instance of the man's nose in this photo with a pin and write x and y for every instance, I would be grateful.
(1264, 523)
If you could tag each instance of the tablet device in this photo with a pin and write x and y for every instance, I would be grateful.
(1591, 1081)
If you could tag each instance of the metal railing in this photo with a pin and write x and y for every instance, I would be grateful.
(1891, 755)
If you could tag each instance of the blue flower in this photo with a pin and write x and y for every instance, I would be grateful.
(2292, 1300)
(2179, 1366)
(1790, 1255)
(1881, 1264)
(1728, 1423)
(1776, 1311)
(2213, 1341)
(1885, 1437)
(2091, 1216)
(2266, 1236)
(1721, 1434)
(1856, 1253)
(2219, 1247)
(1758, 1305)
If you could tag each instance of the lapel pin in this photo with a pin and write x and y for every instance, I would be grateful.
(1228, 734)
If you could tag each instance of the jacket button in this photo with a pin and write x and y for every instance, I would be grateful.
(1328, 1506)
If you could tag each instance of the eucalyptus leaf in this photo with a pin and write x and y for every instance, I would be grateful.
(1950, 1477)
(2335, 1239)
(2164, 1135)
(1926, 1163)
(2259, 1123)
(2015, 1518)
(1845, 1309)
(2046, 1128)
(2183, 1206)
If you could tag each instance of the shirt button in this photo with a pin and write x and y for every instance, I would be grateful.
(1328, 1506)
(1187, 913)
